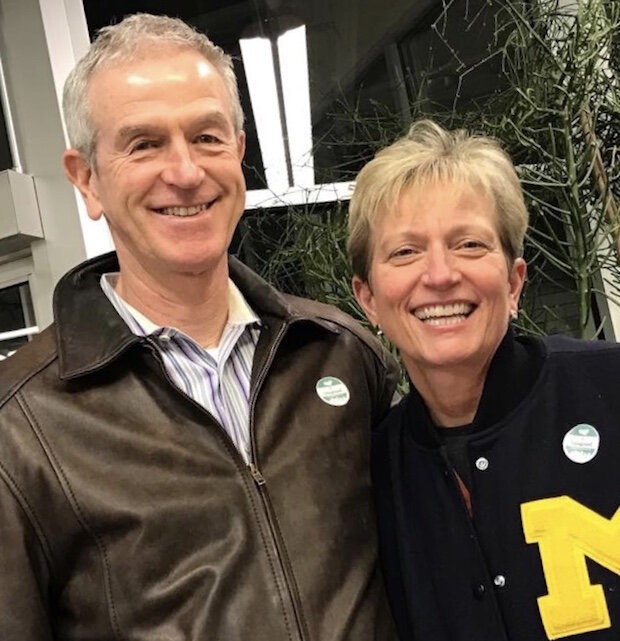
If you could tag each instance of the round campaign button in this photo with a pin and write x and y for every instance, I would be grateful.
(581, 443)
(333, 391)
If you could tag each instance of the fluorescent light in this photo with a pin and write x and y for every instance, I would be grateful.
(260, 74)
(293, 56)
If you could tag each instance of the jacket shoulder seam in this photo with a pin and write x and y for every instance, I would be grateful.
(74, 503)
(22, 500)
(561, 345)
(19, 383)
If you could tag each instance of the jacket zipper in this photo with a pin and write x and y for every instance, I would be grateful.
(259, 479)
(255, 473)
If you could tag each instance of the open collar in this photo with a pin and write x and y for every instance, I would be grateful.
(90, 334)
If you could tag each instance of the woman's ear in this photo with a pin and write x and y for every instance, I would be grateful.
(516, 279)
(364, 296)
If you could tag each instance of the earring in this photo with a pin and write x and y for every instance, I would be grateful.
(378, 331)
(513, 314)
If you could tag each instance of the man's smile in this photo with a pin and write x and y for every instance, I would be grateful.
(183, 212)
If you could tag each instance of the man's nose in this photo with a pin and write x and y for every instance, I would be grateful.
(441, 269)
(181, 169)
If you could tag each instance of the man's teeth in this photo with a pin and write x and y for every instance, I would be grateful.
(183, 211)
(444, 314)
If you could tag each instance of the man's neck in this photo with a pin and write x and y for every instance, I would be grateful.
(196, 304)
(451, 395)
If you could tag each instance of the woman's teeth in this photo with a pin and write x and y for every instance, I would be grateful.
(444, 314)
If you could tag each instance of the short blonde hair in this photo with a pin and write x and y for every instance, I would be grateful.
(426, 154)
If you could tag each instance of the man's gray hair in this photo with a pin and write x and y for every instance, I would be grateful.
(123, 42)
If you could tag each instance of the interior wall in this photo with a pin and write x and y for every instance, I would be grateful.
(37, 44)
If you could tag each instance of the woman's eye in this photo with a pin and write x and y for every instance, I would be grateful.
(472, 244)
(403, 252)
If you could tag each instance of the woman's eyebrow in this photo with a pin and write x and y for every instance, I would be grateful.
(472, 228)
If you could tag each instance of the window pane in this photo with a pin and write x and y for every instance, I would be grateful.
(15, 314)
(372, 66)
(6, 159)
(354, 53)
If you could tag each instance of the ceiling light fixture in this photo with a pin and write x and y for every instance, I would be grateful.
(260, 71)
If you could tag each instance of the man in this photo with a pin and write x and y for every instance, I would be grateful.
(183, 455)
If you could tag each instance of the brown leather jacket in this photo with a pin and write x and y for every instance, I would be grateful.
(127, 514)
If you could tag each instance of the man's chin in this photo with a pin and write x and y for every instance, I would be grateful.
(198, 268)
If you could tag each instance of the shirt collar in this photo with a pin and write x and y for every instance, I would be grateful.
(239, 311)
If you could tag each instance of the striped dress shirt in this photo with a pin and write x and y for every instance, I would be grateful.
(217, 378)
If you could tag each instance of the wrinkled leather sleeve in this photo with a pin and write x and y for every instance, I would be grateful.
(23, 572)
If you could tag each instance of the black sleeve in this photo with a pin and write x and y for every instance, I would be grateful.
(388, 533)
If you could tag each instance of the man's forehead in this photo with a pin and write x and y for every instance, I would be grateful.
(155, 77)
(137, 65)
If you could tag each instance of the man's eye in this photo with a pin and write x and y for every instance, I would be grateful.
(142, 145)
(207, 139)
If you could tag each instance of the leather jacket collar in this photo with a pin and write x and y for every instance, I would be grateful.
(98, 335)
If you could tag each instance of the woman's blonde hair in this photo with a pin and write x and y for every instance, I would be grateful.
(430, 154)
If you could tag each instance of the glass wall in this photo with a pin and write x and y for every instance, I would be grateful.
(6, 160)
(326, 83)
(16, 318)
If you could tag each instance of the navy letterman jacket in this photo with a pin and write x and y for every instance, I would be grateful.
(536, 554)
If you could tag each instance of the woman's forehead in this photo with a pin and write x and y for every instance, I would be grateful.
(418, 195)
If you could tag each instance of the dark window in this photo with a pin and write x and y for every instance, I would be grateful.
(354, 66)
(6, 159)
(16, 315)
(372, 67)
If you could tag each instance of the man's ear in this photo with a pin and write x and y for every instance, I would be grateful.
(80, 174)
(365, 298)
(241, 144)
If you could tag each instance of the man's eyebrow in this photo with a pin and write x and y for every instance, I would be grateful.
(130, 132)
(210, 118)
(214, 117)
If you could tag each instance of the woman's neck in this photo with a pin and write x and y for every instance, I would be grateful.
(451, 395)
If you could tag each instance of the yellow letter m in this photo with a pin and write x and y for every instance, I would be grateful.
(568, 532)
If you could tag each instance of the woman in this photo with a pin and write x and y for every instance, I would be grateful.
(495, 502)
